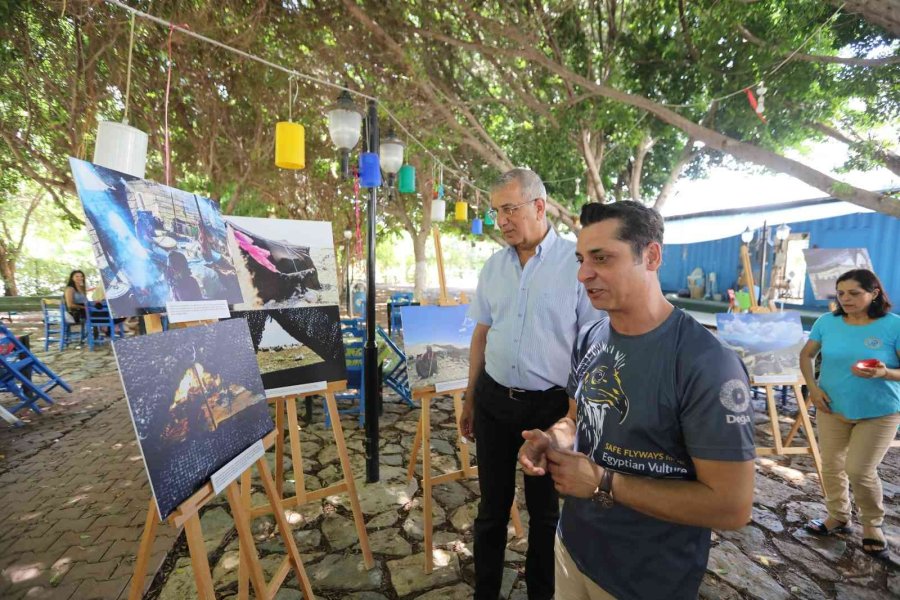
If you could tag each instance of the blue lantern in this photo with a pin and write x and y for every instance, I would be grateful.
(369, 170)
(477, 226)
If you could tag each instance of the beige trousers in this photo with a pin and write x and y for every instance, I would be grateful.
(851, 452)
(572, 584)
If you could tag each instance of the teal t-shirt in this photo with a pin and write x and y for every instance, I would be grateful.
(842, 346)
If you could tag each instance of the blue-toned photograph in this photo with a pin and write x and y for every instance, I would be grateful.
(196, 400)
(154, 244)
(768, 343)
(436, 342)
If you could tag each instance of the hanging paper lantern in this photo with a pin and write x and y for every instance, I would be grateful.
(290, 148)
(406, 180)
(461, 211)
(477, 227)
(122, 148)
(488, 219)
(438, 210)
(369, 170)
(440, 191)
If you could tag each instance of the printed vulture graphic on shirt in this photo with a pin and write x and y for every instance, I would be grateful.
(603, 409)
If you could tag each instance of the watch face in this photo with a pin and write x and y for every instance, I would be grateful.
(603, 499)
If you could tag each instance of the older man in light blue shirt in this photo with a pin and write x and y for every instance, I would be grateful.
(528, 307)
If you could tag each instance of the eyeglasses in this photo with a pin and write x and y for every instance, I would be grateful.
(509, 210)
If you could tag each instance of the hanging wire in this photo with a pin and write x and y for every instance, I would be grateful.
(767, 73)
(184, 30)
(128, 75)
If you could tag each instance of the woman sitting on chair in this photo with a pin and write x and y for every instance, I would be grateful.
(857, 400)
(76, 295)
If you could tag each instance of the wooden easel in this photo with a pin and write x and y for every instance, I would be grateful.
(286, 406)
(188, 515)
(802, 419)
(748, 274)
(423, 440)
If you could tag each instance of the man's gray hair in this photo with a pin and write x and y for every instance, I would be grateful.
(530, 183)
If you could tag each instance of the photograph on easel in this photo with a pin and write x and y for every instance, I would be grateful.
(436, 341)
(825, 265)
(768, 343)
(296, 346)
(283, 263)
(153, 243)
(196, 401)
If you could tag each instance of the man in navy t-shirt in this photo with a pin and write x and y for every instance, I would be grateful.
(657, 447)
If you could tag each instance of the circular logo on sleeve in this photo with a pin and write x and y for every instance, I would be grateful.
(735, 395)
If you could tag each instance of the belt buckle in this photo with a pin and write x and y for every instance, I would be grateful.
(512, 395)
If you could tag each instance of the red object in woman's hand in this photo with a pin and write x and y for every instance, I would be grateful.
(869, 363)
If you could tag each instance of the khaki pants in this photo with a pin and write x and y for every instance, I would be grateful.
(572, 584)
(851, 452)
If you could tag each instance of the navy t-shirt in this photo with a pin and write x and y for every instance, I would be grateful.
(647, 404)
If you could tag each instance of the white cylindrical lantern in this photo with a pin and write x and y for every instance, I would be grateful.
(122, 148)
(438, 210)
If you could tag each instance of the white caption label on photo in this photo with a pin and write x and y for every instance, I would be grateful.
(237, 465)
(306, 388)
(201, 310)
(451, 386)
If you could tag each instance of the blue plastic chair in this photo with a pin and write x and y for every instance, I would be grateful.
(56, 327)
(100, 325)
(17, 368)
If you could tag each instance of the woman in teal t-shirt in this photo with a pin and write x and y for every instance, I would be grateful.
(857, 400)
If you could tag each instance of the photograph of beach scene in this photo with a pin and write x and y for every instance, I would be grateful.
(436, 342)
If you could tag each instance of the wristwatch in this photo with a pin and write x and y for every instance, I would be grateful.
(603, 496)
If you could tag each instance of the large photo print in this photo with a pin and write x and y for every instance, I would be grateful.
(196, 401)
(283, 263)
(296, 346)
(768, 343)
(436, 341)
(825, 265)
(154, 244)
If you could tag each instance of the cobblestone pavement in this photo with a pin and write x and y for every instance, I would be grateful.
(74, 496)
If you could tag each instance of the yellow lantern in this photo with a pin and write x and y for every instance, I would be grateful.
(461, 211)
(290, 150)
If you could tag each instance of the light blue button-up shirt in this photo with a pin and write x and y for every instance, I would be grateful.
(534, 314)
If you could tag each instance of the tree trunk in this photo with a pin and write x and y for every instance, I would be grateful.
(883, 13)
(8, 274)
(638, 167)
(421, 281)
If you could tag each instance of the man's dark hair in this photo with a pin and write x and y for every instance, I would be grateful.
(638, 224)
(868, 281)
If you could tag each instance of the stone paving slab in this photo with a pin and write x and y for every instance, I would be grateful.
(74, 495)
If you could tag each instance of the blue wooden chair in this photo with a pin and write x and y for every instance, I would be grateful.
(395, 373)
(398, 299)
(56, 327)
(354, 357)
(18, 366)
(100, 325)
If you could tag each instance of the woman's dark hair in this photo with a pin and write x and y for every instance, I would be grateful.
(638, 224)
(71, 282)
(868, 281)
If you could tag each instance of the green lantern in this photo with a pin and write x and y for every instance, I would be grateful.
(488, 219)
(407, 179)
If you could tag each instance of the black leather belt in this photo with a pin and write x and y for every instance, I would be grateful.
(525, 395)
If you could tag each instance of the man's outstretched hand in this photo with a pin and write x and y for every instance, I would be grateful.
(533, 454)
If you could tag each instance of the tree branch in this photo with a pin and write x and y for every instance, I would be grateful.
(741, 150)
(818, 58)
(645, 145)
(888, 158)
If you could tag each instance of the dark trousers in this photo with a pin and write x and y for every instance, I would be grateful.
(499, 422)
